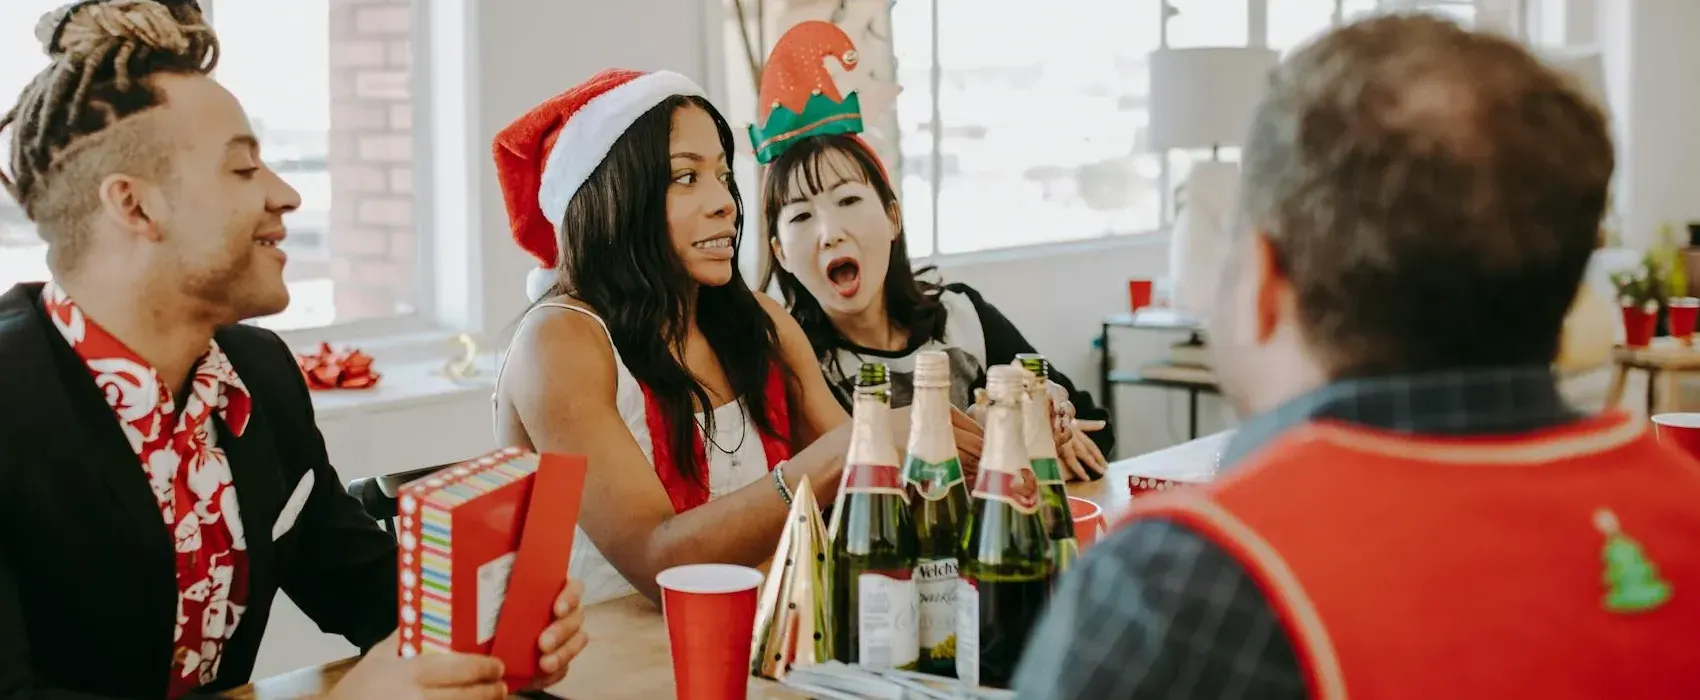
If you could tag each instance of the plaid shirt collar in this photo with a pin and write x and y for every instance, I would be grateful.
(1462, 402)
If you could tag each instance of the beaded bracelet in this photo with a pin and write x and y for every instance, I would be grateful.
(779, 483)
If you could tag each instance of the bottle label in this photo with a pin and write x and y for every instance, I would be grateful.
(1020, 490)
(967, 632)
(935, 583)
(874, 478)
(934, 479)
(887, 614)
(1048, 470)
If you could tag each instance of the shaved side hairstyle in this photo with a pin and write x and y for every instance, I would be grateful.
(79, 120)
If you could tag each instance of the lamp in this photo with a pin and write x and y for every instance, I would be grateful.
(1204, 98)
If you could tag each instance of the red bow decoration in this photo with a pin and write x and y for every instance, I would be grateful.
(329, 369)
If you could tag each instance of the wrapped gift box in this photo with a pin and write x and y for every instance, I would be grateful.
(1141, 485)
(484, 550)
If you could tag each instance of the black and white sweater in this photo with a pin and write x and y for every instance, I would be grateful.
(976, 336)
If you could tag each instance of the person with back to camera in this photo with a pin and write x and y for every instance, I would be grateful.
(1411, 508)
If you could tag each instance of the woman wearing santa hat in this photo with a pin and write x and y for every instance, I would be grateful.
(836, 231)
(698, 403)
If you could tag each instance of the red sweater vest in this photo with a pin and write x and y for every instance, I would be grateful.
(1470, 567)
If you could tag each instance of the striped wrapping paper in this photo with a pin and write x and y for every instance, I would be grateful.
(459, 534)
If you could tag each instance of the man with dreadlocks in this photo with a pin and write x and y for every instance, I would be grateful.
(129, 393)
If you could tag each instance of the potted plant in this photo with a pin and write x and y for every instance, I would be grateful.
(1640, 291)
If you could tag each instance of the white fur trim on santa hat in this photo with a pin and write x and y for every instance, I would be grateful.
(538, 281)
(591, 131)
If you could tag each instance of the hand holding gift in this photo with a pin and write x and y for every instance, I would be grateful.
(563, 639)
(384, 673)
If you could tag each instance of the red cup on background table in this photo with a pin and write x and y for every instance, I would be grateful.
(1089, 523)
(1638, 326)
(1680, 430)
(1138, 294)
(1684, 311)
(711, 615)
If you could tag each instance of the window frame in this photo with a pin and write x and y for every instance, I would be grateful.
(427, 319)
(1512, 14)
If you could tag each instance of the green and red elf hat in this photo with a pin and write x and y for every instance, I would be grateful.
(800, 95)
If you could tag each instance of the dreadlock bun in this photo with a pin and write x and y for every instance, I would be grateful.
(103, 52)
(79, 31)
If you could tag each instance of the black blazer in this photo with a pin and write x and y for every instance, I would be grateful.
(88, 591)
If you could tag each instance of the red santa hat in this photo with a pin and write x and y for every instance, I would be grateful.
(544, 156)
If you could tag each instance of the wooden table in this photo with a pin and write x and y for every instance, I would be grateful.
(627, 658)
(1662, 362)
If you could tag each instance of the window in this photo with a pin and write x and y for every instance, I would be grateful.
(328, 89)
(1039, 136)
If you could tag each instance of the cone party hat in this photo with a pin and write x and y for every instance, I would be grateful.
(793, 617)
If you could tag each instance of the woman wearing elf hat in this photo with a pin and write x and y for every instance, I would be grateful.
(836, 230)
(697, 402)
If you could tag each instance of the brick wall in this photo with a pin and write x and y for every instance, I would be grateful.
(372, 237)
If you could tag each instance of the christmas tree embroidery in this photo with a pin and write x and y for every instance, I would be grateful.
(1632, 582)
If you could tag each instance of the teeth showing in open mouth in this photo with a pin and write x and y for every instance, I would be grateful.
(713, 243)
(266, 243)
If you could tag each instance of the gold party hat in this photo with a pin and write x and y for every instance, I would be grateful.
(794, 620)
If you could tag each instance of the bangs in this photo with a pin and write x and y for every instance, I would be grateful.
(818, 167)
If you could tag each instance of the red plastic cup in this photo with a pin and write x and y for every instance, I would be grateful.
(1683, 313)
(1088, 520)
(1680, 430)
(1638, 326)
(1138, 294)
(711, 615)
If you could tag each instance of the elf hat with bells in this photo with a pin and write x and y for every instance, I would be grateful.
(801, 97)
(545, 156)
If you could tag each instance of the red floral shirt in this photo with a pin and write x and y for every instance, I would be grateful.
(190, 477)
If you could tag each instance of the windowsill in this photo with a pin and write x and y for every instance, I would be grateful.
(411, 363)
(407, 385)
(1124, 241)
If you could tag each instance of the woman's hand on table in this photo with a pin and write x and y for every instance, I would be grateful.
(563, 639)
(1080, 457)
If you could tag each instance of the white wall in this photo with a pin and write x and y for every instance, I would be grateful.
(1058, 295)
(1651, 56)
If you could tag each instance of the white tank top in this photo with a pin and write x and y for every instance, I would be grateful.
(735, 460)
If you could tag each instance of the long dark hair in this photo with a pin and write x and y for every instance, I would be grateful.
(617, 256)
(911, 303)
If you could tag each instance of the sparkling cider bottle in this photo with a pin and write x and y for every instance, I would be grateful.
(873, 539)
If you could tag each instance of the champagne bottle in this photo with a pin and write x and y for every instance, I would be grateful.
(1042, 453)
(1006, 551)
(873, 539)
(939, 499)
